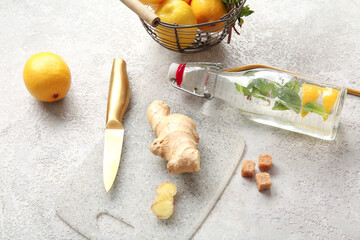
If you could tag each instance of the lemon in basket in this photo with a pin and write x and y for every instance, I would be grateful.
(207, 11)
(151, 2)
(178, 12)
(187, 1)
(154, 4)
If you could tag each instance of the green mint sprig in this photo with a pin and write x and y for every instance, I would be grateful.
(258, 88)
(288, 99)
(287, 95)
(242, 90)
(245, 11)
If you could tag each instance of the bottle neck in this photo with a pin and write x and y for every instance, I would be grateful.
(225, 85)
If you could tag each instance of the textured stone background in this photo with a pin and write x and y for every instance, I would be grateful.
(316, 184)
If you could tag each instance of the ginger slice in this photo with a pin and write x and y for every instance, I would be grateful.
(167, 186)
(164, 195)
(163, 209)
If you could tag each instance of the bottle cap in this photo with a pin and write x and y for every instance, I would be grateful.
(172, 71)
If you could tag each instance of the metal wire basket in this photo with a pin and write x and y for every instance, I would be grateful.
(186, 38)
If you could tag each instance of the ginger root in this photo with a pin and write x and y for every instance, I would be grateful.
(163, 207)
(177, 139)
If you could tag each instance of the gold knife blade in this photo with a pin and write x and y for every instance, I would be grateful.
(118, 100)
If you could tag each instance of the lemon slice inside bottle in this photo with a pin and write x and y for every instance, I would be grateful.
(310, 93)
(329, 97)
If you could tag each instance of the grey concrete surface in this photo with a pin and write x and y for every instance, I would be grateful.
(316, 184)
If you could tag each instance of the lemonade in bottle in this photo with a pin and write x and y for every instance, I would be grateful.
(266, 95)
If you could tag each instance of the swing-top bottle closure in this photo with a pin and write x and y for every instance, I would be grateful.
(177, 76)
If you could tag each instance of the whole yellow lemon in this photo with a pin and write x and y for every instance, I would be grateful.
(154, 4)
(47, 77)
(177, 12)
(208, 11)
(151, 2)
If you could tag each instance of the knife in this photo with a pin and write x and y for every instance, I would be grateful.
(118, 100)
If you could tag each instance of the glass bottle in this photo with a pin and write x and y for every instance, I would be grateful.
(267, 95)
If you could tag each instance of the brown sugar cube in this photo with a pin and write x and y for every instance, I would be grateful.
(247, 168)
(263, 181)
(265, 162)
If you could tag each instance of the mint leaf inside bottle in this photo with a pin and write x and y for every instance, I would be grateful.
(280, 106)
(314, 108)
(286, 98)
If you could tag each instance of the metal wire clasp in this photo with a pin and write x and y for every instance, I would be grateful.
(207, 96)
